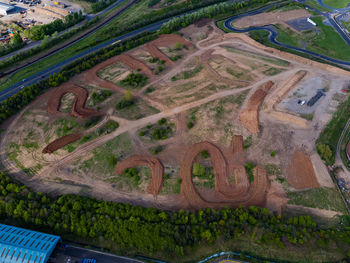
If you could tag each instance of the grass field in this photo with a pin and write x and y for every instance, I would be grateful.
(314, 4)
(323, 198)
(336, 3)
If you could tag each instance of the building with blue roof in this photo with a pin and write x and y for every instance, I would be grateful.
(18, 245)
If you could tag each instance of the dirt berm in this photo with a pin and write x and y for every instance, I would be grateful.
(301, 174)
(249, 117)
(78, 108)
(61, 142)
(152, 163)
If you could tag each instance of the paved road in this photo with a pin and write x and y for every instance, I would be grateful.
(101, 257)
(273, 34)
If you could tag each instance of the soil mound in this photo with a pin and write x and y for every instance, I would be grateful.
(169, 40)
(301, 174)
(152, 163)
(249, 117)
(61, 142)
(155, 52)
(78, 108)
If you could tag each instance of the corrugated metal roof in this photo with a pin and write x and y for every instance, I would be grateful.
(6, 7)
(18, 245)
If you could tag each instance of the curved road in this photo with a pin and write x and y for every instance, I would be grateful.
(273, 34)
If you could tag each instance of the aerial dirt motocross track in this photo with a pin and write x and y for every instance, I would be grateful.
(156, 53)
(227, 193)
(152, 163)
(249, 117)
(61, 142)
(301, 174)
(78, 108)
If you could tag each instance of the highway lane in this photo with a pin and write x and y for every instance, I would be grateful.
(8, 92)
(273, 34)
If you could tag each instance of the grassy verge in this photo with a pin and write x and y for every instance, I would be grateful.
(322, 198)
(336, 4)
(314, 4)
(330, 135)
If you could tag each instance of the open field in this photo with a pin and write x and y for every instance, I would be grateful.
(336, 3)
(193, 121)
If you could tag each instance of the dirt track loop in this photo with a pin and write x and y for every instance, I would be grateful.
(301, 174)
(61, 142)
(230, 195)
(152, 163)
(249, 117)
(78, 108)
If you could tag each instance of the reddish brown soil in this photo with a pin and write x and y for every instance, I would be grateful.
(78, 108)
(232, 195)
(61, 142)
(237, 148)
(301, 174)
(135, 64)
(249, 117)
(169, 40)
(155, 52)
(152, 163)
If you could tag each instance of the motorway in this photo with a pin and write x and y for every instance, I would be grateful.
(273, 34)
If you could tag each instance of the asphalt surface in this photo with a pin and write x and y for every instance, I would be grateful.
(76, 252)
(273, 34)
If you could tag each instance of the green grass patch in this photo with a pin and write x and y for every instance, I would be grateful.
(336, 3)
(331, 133)
(323, 198)
(272, 71)
(159, 131)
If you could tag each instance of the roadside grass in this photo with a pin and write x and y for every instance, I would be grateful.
(343, 145)
(331, 133)
(322, 198)
(314, 4)
(329, 42)
(337, 3)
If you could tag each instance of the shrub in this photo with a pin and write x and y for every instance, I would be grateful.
(190, 125)
(162, 121)
(273, 153)
(178, 46)
(205, 154)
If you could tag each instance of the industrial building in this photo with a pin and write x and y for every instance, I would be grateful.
(5, 8)
(19, 245)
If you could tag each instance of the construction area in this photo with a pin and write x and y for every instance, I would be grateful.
(27, 13)
(205, 119)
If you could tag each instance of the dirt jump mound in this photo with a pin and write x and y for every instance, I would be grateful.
(78, 108)
(249, 117)
(301, 174)
(152, 163)
(61, 142)
(155, 52)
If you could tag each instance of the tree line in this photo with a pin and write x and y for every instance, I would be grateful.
(149, 230)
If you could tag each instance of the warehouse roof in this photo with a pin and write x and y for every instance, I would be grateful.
(6, 7)
(25, 246)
